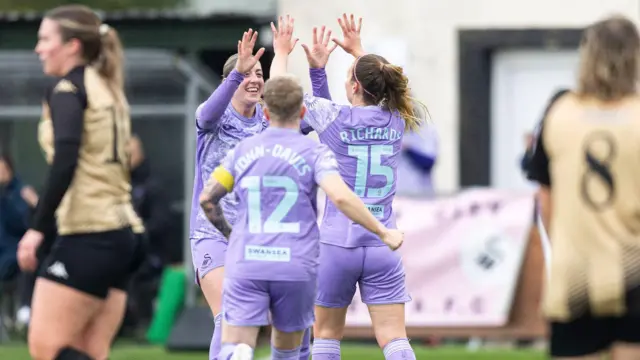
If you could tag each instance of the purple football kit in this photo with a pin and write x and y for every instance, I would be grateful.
(367, 144)
(219, 128)
(272, 259)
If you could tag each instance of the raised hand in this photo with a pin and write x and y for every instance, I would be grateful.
(246, 59)
(351, 42)
(318, 53)
(283, 41)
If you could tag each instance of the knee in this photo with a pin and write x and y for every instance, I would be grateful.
(327, 331)
(43, 349)
(388, 323)
(383, 340)
(211, 285)
(385, 336)
(388, 332)
(96, 350)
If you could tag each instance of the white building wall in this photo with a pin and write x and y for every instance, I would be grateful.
(429, 29)
(248, 7)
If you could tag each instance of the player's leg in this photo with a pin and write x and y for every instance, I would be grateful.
(103, 328)
(292, 313)
(338, 272)
(627, 339)
(59, 315)
(69, 292)
(585, 338)
(623, 351)
(383, 289)
(246, 309)
(305, 347)
(208, 259)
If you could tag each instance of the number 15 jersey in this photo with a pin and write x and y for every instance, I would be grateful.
(367, 142)
(588, 154)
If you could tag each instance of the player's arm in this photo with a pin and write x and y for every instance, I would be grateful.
(220, 184)
(538, 167)
(319, 83)
(320, 87)
(538, 171)
(329, 179)
(209, 112)
(67, 103)
(421, 148)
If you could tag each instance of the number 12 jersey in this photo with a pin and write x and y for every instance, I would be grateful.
(274, 176)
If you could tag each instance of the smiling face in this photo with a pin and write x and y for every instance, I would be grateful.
(251, 89)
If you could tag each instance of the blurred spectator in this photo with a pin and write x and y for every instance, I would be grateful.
(17, 201)
(528, 151)
(529, 142)
(419, 153)
(152, 205)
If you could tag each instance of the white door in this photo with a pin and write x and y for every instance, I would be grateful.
(522, 84)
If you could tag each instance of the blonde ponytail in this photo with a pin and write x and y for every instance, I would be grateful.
(110, 62)
(386, 84)
(398, 97)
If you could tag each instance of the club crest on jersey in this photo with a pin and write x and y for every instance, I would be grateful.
(65, 86)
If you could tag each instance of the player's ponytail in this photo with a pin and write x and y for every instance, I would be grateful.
(386, 84)
(101, 46)
(398, 97)
(110, 62)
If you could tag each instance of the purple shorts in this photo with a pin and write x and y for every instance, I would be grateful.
(249, 302)
(377, 270)
(207, 254)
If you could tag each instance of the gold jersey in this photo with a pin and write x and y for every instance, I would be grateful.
(98, 198)
(590, 151)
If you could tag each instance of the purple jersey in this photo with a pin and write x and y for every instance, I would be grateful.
(367, 143)
(220, 128)
(275, 176)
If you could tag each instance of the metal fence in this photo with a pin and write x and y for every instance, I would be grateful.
(164, 91)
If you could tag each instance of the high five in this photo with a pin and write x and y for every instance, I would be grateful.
(231, 114)
(366, 139)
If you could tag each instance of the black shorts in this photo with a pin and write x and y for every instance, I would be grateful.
(94, 262)
(588, 335)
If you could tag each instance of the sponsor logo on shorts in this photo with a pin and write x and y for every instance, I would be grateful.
(58, 270)
(267, 253)
(376, 210)
(206, 261)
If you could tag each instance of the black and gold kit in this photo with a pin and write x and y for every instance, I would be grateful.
(84, 132)
(587, 154)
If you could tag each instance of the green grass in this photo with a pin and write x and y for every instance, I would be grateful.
(349, 352)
